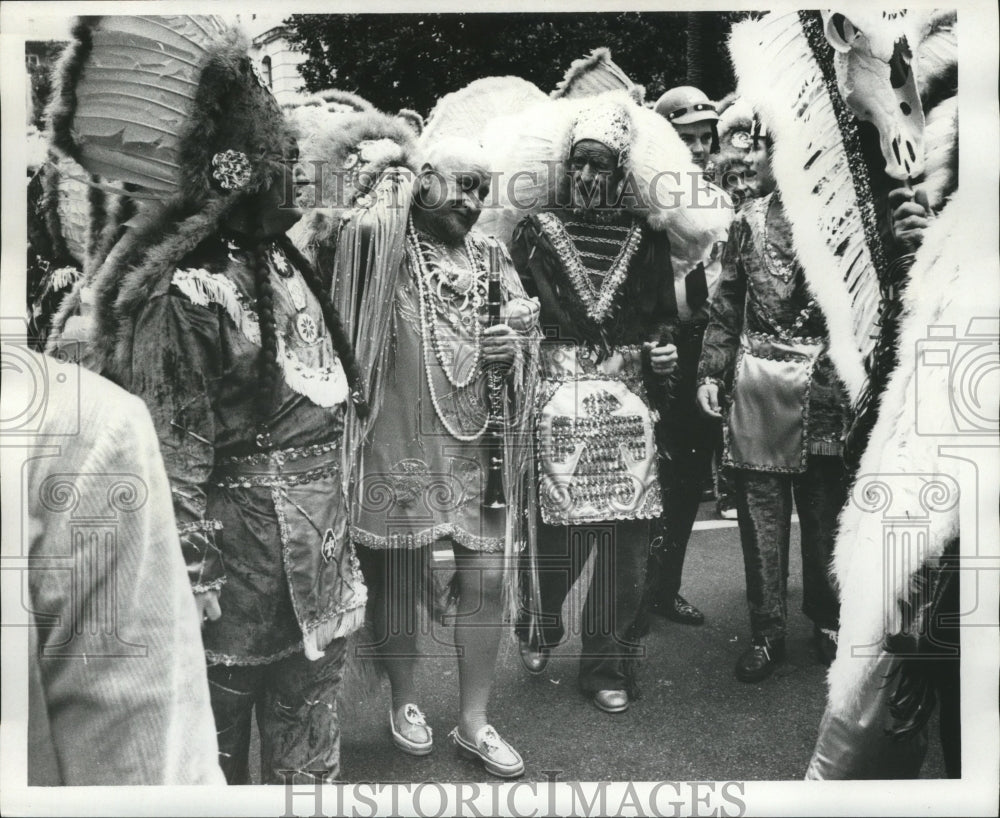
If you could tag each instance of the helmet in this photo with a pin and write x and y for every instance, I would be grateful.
(685, 104)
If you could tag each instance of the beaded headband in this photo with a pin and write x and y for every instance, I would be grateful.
(607, 124)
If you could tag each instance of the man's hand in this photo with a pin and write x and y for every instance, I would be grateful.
(521, 313)
(911, 215)
(663, 359)
(708, 400)
(207, 603)
(499, 345)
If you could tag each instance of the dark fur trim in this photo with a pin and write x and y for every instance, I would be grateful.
(50, 208)
(231, 111)
(62, 107)
(97, 200)
(939, 87)
(120, 295)
(70, 305)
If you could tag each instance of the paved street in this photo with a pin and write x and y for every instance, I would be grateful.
(695, 721)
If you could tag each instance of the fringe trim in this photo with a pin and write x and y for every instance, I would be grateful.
(324, 387)
(426, 537)
(342, 623)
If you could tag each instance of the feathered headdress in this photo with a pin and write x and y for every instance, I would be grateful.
(175, 110)
(826, 184)
(529, 150)
(595, 74)
(345, 155)
(819, 167)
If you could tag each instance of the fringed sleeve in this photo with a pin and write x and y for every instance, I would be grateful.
(176, 365)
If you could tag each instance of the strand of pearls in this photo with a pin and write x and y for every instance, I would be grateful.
(432, 347)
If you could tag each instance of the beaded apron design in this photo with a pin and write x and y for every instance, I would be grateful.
(597, 453)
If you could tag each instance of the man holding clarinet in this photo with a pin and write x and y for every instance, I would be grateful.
(442, 454)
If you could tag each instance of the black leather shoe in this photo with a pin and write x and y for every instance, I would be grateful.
(759, 660)
(680, 610)
(533, 659)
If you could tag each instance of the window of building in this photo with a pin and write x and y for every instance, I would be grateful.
(265, 65)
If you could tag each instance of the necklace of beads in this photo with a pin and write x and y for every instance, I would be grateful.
(597, 303)
(774, 264)
(780, 269)
(429, 274)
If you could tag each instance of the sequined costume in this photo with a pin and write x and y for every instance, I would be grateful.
(598, 406)
(784, 429)
(259, 525)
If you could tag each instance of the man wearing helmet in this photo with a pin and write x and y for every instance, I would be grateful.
(693, 116)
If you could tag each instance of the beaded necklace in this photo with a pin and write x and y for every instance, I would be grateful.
(431, 275)
(778, 268)
(598, 303)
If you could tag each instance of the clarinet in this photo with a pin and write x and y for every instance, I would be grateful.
(493, 497)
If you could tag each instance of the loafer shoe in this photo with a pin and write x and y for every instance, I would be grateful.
(410, 731)
(682, 611)
(611, 701)
(498, 757)
(759, 660)
(533, 659)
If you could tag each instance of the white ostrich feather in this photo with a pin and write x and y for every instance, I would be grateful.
(779, 76)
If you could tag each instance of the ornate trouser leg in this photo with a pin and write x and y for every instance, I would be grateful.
(764, 502)
(297, 717)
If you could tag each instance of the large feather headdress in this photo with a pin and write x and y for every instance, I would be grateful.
(529, 151)
(785, 68)
(174, 111)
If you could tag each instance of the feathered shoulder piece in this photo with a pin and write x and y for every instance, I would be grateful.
(817, 165)
(595, 74)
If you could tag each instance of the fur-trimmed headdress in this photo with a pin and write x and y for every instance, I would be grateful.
(175, 110)
(595, 74)
(345, 155)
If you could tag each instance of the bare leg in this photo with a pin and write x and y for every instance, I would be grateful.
(477, 633)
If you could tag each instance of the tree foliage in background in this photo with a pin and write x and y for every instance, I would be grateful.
(411, 60)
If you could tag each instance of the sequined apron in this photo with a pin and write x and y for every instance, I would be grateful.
(596, 450)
